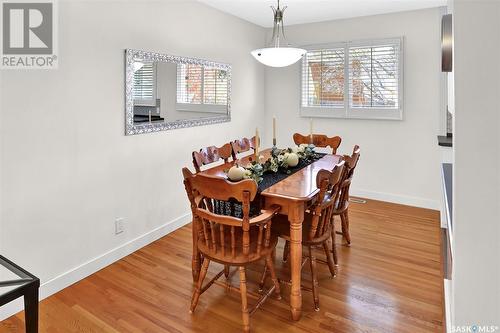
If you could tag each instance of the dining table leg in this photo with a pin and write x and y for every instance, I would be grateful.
(296, 217)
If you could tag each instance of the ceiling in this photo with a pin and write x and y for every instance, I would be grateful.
(306, 11)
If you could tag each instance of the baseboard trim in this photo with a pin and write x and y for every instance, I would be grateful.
(396, 198)
(80, 272)
(447, 304)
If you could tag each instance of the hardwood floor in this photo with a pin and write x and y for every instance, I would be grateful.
(389, 280)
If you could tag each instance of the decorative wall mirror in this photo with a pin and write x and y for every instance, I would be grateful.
(166, 92)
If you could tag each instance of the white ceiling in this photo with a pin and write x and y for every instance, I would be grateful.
(306, 11)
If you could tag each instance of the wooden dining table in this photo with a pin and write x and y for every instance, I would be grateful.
(293, 194)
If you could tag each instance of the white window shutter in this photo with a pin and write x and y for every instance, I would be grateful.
(145, 85)
(353, 80)
(374, 76)
(197, 84)
(323, 78)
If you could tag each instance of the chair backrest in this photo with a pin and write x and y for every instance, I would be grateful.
(223, 234)
(319, 140)
(350, 164)
(327, 182)
(242, 145)
(352, 161)
(209, 155)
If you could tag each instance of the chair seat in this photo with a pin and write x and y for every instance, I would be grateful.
(239, 258)
(281, 227)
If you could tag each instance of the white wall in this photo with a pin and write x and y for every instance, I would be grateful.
(68, 170)
(476, 191)
(400, 159)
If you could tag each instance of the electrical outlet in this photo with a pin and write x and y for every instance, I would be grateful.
(119, 225)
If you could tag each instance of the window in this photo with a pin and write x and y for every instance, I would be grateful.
(353, 80)
(201, 89)
(144, 91)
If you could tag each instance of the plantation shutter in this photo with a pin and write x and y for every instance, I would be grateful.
(189, 84)
(201, 85)
(374, 76)
(323, 78)
(215, 86)
(144, 84)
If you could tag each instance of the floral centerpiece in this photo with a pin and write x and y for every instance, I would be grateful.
(280, 160)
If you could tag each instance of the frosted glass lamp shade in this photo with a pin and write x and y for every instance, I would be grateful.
(278, 56)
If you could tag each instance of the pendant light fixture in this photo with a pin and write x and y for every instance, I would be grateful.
(279, 53)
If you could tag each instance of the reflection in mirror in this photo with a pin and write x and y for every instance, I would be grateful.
(166, 92)
(146, 104)
(201, 90)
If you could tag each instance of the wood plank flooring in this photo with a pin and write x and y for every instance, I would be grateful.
(389, 280)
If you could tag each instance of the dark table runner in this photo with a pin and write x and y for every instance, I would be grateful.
(233, 207)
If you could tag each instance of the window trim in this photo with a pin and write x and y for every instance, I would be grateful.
(348, 111)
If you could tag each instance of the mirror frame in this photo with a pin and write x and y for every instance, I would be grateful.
(131, 129)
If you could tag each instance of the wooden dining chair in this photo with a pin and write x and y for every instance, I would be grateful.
(317, 225)
(212, 154)
(228, 240)
(242, 145)
(342, 202)
(319, 140)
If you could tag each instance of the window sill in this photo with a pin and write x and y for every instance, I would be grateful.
(208, 108)
(352, 113)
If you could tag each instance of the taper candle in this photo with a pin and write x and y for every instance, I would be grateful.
(257, 143)
(311, 130)
(274, 131)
